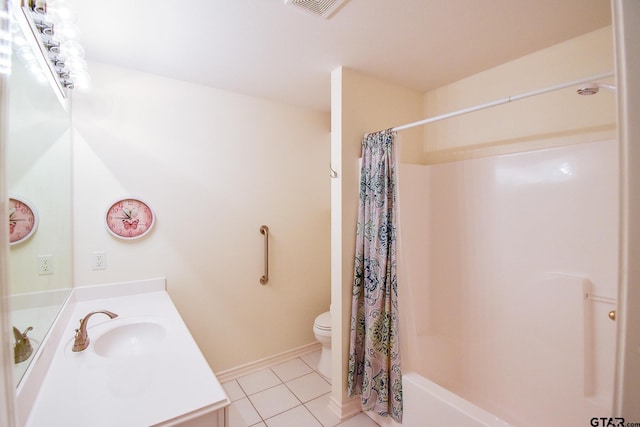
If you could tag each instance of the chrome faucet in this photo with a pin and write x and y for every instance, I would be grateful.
(82, 339)
(22, 349)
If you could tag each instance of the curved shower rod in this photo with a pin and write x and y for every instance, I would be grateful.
(506, 100)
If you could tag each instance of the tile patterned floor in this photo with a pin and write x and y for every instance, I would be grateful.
(290, 394)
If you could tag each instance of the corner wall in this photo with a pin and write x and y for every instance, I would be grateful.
(359, 104)
(215, 166)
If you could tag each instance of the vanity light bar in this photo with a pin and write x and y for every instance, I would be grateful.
(44, 45)
(34, 14)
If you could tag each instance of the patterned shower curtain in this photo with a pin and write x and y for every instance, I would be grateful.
(374, 353)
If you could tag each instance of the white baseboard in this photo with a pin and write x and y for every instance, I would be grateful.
(239, 371)
(345, 410)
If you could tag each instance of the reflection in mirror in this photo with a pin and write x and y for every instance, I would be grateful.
(38, 168)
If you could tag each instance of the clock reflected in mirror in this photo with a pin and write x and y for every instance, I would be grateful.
(129, 218)
(23, 220)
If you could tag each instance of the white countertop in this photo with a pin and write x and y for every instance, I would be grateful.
(174, 382)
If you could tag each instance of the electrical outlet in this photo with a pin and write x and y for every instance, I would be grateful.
(99, 260)
(45, 264)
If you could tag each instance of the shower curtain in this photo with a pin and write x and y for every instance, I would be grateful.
(374, 351)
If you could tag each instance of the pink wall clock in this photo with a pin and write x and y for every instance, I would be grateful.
(23, 220)
(129, 218)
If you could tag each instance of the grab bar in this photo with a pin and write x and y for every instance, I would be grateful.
(265, 230)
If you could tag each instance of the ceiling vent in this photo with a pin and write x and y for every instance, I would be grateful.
(322, 8)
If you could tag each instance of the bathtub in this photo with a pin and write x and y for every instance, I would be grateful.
(426, 404)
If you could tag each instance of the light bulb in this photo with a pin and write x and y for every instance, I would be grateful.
(81, 79)
(76, 64)
(28, 55)
(5, 66)
(58, 11)
(36, 71)
(20, 41)
(72, 48)
(66, 31)
(5, 36)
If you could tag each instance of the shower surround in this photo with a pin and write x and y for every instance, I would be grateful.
(508, 272)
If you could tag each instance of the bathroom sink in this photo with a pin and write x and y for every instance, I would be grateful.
(130, 339)
(133, 361)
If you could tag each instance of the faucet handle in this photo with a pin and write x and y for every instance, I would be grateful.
(19, 336)
(22, 348)
(81, 340)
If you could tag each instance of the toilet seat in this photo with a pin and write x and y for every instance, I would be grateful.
(323, 321)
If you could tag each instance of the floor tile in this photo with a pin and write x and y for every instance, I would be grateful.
(319, 407)
(233, 390)
(274, 401)
(243, 414)
(291, 369)
(360, 420)
(312, 359)
(258, 381)
(309, 387)
(289, 394)
(298, 417)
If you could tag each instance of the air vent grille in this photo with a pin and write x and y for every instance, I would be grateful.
(322, 8)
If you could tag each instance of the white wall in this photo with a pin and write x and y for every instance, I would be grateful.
(214, 166)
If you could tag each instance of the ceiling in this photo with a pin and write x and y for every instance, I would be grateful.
(268, 49)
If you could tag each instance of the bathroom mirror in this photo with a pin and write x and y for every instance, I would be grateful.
(38, 170)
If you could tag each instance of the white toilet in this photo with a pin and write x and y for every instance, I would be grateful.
(322, 331)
